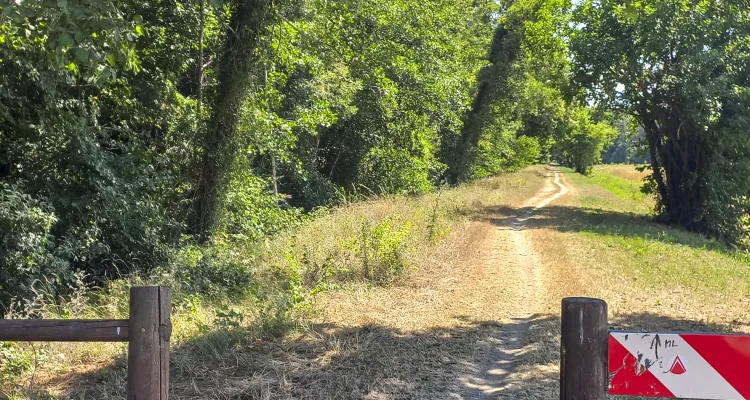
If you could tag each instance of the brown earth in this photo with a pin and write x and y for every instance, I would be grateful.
(461, 331)
(478, 320)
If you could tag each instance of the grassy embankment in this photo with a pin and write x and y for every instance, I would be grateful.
(601, 241)
(675, 266)
(235, 306)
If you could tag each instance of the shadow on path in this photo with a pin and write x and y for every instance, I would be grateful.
(579, 219)
(368, 362)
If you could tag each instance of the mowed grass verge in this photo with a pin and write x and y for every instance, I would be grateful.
(600, 240)
(268, 339)
(654, 258)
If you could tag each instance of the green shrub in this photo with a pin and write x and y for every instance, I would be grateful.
(309, 189)
(26, 245)
(16, 361)
(252, 211)
(216, 270)
(501, 151)
(381, 250)
(394, 171)
(286, 297)
(527, 151)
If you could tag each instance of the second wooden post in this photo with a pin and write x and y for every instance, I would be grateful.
(148, 349)
(583, 349)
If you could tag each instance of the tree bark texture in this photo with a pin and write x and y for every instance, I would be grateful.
(249, 19)
(677, 162)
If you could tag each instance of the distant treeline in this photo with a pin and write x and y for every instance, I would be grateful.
(629, 147)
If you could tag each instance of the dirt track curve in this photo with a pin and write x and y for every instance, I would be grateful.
(512, 251)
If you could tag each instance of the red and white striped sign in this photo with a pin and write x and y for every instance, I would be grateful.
(683, 365)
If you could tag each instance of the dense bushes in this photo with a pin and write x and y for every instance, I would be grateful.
(129, 131)
(111, 122)
(253, 211)
(394, 171)
(26, 244)
(216, 271)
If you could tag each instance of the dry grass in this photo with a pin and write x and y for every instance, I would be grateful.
(435, 294)
(624, 171)
(353, 349)
(441, 330)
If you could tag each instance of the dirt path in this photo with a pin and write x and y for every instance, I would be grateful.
(465, 326)
(479, 318)
(499, 354)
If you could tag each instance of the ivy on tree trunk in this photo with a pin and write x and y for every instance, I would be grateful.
(249, 19)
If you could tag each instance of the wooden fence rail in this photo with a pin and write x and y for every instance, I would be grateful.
(147, 332)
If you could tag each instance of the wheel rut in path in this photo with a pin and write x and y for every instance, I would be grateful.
(497, 355)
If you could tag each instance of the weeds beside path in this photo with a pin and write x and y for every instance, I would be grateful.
(478, 315)
(486, 325)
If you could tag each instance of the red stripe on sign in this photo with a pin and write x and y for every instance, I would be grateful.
(628, 376)
(729, 355)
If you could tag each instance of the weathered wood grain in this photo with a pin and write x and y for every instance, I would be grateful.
(148, 349)
(583, 349)
(53, 330)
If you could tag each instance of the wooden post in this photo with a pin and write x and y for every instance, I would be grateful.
(148, 349)
(583, 349)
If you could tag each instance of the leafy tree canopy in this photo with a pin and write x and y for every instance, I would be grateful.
(681, 69)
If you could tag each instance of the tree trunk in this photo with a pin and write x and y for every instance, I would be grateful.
(675, 153)
(652, 136)
(470, 135)
(201, 33)
(249, 19)
(504, 51)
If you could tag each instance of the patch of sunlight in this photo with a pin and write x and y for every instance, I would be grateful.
(666, 260)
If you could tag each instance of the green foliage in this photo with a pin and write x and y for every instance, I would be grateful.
(15, 362)
(282, 303)
(394, 171)
(252, 211)
(498, 154)
(217, 271)
(381, 250)
(630, 145)
(227, 318)
(582, 146)
(675, 68)
(519, 106)
(727, 206)
(87, 37)
(125, 126)
(26, 244)
(527, 152)
(103, 152)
